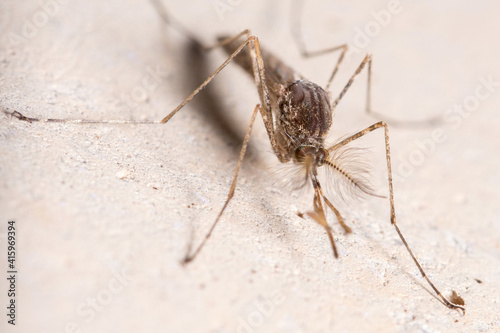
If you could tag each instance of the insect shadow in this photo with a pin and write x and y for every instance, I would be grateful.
(208, 103)
(297, 116)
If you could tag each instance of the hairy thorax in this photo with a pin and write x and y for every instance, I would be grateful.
(304, 117)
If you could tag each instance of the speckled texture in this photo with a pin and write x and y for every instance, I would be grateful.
(105, 213)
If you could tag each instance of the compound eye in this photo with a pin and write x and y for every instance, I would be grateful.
(297, 93)
(300, 154)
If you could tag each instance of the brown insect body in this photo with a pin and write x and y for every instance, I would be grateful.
(304, 119)
(297, 115)
(301, 109)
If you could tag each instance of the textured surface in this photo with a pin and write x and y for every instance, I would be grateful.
(105, 213)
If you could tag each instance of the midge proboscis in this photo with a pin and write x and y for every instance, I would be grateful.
(297, 115)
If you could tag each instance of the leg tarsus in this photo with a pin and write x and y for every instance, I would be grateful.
(18, 115)
(321, 220)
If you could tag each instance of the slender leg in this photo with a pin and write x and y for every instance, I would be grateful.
(262, 87)
(20, 116)
(319, 214)
(367, 59)
(250, 39)
(398, 123)
(296, 32)
(347, 229)
(367, 130)
(169, 20)
(259, 75)
(189, 257)
(258, 65)
(258, 71)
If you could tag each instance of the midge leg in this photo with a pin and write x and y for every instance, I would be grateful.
(358, 135)
(296, 31)
(319, 214)
(346, 228)
(258, 67)
(20, 116)
(259, 75)
(266, 113)
(260, 82)
(189, 257)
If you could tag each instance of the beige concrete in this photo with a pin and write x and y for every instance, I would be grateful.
(105, 212)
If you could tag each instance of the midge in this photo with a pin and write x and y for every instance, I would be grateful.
(297, 115)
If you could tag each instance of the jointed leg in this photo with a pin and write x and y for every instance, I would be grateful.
(347, 229)
(319, 214)
(367, 59)
(189, 257)
(259, 74)
(20, 116)
(258, 71)
(367, 130)
(297, 35)
(258, 67)
(250, 39)
(260, 79)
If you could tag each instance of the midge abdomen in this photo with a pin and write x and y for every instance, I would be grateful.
(277, 72)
